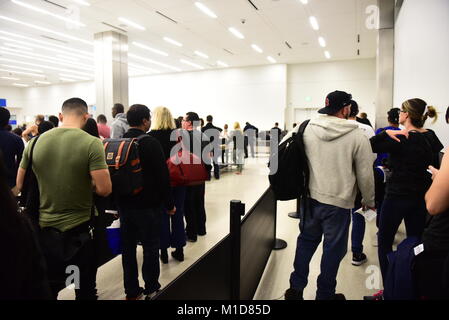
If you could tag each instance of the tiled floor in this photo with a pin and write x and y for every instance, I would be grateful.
(352, 281)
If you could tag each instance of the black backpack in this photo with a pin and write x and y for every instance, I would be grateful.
(123, 160)
(291, 179)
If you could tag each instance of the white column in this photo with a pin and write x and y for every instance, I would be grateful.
(111, 71)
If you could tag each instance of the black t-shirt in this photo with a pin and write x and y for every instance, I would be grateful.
(436, 235)
(409, 161)
(163, 136)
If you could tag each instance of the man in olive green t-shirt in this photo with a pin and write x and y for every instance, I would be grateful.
(69, 165)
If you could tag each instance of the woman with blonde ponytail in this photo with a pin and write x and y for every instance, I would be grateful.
(411, 151)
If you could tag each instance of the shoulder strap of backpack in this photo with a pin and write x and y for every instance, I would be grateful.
(300, 140)
(34, 141)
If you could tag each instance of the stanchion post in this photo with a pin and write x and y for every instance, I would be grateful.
(296, 215)
(236, 212)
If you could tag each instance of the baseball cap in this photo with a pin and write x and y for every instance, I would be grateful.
(336, 101)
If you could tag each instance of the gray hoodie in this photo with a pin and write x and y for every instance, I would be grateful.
(119, 126)
(340, 160)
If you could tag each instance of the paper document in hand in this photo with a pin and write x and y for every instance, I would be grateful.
(369, 214)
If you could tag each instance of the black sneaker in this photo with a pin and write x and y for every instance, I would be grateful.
(376, 297)
(138, 296)
(178, 254)
(339, 297)
(293, 294)
(164, 256)
(358, 259)
(151, 295)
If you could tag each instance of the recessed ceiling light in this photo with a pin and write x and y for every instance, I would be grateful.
(45, 66)
(48, 13)
(13, 46)
(140, 45)
(47, 45)
(82, 2)
(24, 73)
(205, 9)
(271, 59)
(21, 68)
(35, 56)
(20, 85)
(139, 67)
(327, 54)
(67, 80)
(131, 23)
(46, 30)
(191, 64)
(236, 33)
(256, 48)
(70, 76)
(202, 55)
(222, 64)
(322, 42)
(42, 82)
(154, 62)
(304, 1)
(174, 42)
(314, 23)
(9, 78)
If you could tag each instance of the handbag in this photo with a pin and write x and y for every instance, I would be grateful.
(186, 168)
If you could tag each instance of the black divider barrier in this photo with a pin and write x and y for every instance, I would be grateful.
(233, 268)
(258, 235)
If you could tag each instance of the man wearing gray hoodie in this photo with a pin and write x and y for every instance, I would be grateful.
(120, 124)
(338, 155)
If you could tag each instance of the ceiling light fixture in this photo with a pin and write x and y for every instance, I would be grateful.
(271, 59)
(24, 73)
(131, 23)
(73, 76)
(42, 82)
(256, 48)
(314, 23)
(13, 46)
(68, 58)
(174, 42)
(46, 30)
(236, 33)
(67, 80)
(20, 85)
(191, 64)
(9, 78)
(45, 67)
(139, 67)
(206, 10)
(304, 1)
(327, 54)
(140, 45)
(222, 64)
(35, 56)
(202, 55)
(154, 62)
(322, 42)
(82, 2)
(46, 45)
(20, 68)
(57, 16)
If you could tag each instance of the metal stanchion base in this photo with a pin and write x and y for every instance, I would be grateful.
(280, 244)
(294, 215)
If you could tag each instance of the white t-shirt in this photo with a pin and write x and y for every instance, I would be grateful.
(367, 130)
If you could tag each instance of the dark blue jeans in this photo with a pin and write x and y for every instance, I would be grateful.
(172, 232)
(332, 222)
(142, 225)
(358, 232)
(394, 210)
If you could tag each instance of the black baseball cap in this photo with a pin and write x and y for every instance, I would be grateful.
(336, 101)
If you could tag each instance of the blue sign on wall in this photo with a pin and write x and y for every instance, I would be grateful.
(13, 122)
(2, 102)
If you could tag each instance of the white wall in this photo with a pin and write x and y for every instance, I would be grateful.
(15, 102)
(422, 57)
(308, 84)
(253, 94)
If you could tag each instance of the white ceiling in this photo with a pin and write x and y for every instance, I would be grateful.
(276, 22)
